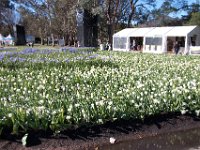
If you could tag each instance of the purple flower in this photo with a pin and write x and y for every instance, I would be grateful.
(93, 56)
(1, 57)
(21, 59)
(67, 60)
(27, 51)
(8, 49)
(13, 59)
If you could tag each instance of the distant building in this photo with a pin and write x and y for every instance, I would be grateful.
(30, 38)
(87, 28)
(19, 32)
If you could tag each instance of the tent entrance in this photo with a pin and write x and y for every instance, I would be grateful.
(171, 41)
(136, 43)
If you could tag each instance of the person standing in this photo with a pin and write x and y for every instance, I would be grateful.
(176, 47)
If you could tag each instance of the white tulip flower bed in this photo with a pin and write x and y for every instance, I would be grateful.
(101, 87)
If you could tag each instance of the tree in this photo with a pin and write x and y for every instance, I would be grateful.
(115, 13)
(63, 22)
(193, 8)
(36, 25)
(34, 19)
(195, 19)
(163, 16)
(56, 18)
(52, 18)
(3, 5)
(193, 16)
(137, 5)
(7, 17)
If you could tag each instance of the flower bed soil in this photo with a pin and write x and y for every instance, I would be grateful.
(94, 137)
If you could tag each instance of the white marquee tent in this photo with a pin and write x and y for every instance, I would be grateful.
(9, 40)
(157, 39)
(121, 39)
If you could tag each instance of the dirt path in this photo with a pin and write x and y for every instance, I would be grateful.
(93, 138)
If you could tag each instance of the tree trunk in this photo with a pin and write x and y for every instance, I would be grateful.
(110, 33)
(42, 41)
(66, 39)
(52, 40)
(130, 17)
(109, 22)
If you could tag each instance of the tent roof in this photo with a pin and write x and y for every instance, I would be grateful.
(9, 37)
(159, 31)
(125, 32)
(180, 31)
(140, 32)
(155, 31)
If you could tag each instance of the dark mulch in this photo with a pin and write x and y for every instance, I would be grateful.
(94, 137)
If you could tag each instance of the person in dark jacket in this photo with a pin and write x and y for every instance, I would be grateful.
(176, 47)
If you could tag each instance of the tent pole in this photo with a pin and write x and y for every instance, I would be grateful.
(186, 45)
(128, 44)
(164, 44)
(144, 46)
